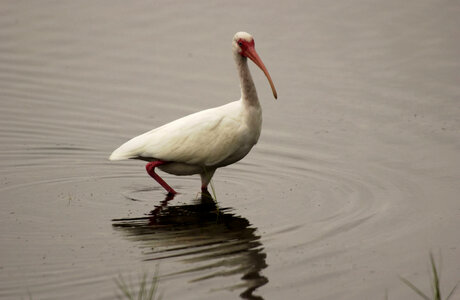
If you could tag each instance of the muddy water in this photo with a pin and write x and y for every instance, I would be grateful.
(355, 177)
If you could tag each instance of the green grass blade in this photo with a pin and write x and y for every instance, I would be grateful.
(452, 292)
(140, 295)
(153, 286)
(120, 282)
(436, 289)
(414, 288)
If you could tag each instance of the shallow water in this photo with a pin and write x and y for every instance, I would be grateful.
(353, 182)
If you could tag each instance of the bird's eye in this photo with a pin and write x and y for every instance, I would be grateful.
(240, 44)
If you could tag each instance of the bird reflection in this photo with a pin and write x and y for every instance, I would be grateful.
(206, 237)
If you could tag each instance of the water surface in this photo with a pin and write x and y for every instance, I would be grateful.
(355, 177)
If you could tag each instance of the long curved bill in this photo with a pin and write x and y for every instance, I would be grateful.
(252, 54)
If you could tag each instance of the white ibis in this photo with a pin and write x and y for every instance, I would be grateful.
(204, 141)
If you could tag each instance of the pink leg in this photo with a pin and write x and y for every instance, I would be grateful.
(150, 167)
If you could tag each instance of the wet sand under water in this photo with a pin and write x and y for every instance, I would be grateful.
(354, 180)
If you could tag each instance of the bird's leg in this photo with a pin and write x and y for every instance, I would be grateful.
(205, 179)
(150, 167)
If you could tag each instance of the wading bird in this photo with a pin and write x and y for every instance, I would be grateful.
(204, 141)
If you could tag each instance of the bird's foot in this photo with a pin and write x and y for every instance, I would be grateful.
(205, 194)
(171, 195)
(150, 167)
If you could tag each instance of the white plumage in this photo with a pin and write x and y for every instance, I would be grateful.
(201, 142)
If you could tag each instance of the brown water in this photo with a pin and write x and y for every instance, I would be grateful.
(354, 180)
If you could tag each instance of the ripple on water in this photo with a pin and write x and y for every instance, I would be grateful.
(306, 215)
(202, 244)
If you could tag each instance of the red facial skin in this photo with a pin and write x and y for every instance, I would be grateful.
(245, 45)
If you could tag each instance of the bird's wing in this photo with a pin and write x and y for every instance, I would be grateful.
(203, 138)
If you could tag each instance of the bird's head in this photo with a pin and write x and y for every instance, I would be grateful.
(243, 44)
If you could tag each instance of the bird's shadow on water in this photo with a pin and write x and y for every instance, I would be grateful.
(211, 242)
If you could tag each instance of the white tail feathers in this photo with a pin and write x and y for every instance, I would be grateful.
(126, 151)
(117, 155)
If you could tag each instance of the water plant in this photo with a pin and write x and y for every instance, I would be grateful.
(435, 288)
(143, 292)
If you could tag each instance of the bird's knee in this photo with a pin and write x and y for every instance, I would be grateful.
(150, 167)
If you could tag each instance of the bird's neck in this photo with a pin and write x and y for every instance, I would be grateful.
(248, 89)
